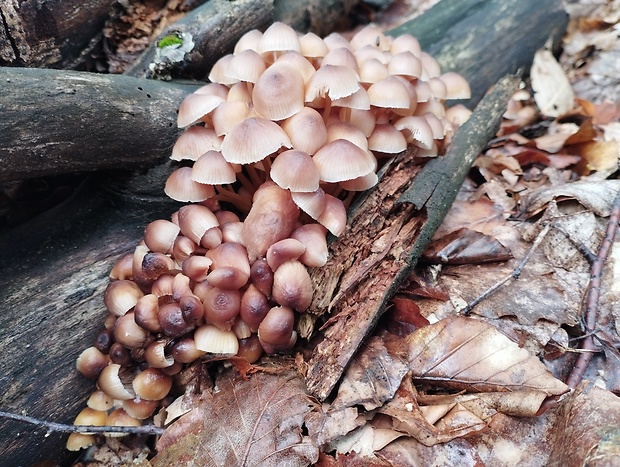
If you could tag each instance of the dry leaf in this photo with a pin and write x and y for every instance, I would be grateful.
(552, 90)
(470, 354)
(465, 246)
(372, 378)
(482, 215)
(325, 426)
(253, 422)
(596, 196)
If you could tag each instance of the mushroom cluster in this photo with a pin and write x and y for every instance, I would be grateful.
(288, 128)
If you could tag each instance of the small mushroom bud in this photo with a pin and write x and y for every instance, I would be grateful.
(211, 339)
(120, 355)
(254, 307)
(157, 356)
(185, 351)
(250, 348)
(273, 217)
(241, 329)
(159, 235)
(146, 313)
(212, 238)
(119, 417)
(313, 236)
(162, 288)
(138, 275)
(121, 296)
(171, 320)
(139, 408)
(128, 333)
(87, 417)
(155, 264)
(123, 268)
(284, 250)
(180, 287)
(222, 307)
(173, 369)
(91, 362)
(228, 278)
(197, 267)
(116, 382)
(201, 288)
(233, 255)
(224, 216)
(104, 340)
(276, 332)
(195, 220)
(261, 275)
(192, 309)
(183, 248)
(151, 384)
(232, 232)
(292, 286)
(99, 400)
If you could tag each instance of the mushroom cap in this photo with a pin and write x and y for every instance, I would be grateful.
(348, 131)
(335, 40)
(372, 70)
(342, 160)
(227, 115)
(211, 168)
(218, 73)
(249, 41)
(306, 130)
(385, 138)
(333, 81)
(312, 46)
(195, 106)
(416, 130)
(341, 56)
(295, 170)
(457, 87)
(277, 38)
(334, 216)
(181, 187)
(405, 43)
(360, 183)
(252, 140)
(246, 66)
(299, 62)
(390, 93)
(373, 36)
(430, 66)
(311, 203)
(279, 92)
(195, 220)
(405, 64)
(194, 142)
(358, 100)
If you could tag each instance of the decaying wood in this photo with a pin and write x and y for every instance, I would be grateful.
(50, 34)
(57, 121)
(385, 237)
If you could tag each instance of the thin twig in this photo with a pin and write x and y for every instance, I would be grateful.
(592, 298)
(62, 428)
(516, 272)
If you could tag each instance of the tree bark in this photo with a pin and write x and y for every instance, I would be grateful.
(57, 121)
(56, 267)
(51, 33)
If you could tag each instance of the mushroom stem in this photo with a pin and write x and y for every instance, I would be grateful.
(328, 108)
(227, 194)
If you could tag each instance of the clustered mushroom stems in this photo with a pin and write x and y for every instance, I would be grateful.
(289, 128)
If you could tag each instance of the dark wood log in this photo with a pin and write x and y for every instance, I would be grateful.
(57, 121)
(217, 25)
(55, 269)
(51, 33)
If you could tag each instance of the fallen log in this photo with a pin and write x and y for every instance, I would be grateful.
(55, 269)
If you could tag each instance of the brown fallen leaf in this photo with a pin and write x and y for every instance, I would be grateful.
(483, 215)
(596, 195)
(326, 425)
(552, 90)
(372, 378)
(253, 422)
(471, 354)
(465, 246)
